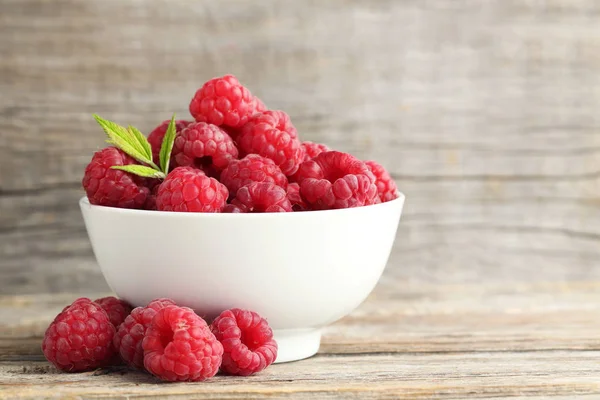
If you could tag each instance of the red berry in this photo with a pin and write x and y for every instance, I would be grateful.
(336, 180)
(129, 336)
(271, 134)
(156, 137)
(293, 194)
(259, 106)
(204, 146)
(79, 338)
(105, 186)
(190, 190)
(262, 197)
(252, 168)
(386, 187)
(116, 309)
(311, 150)
(224, 101)
(232, 209)
(179, 346)
(247, 340)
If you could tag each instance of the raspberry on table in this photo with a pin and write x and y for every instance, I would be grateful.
(252, 168)
(179, 346)
(116, 309)
(128, 339)
(186, 189)
(293, 194)
(386, 187)
(79, 338)
(247, 339)
(224, 101)
(271, 135)
(336, 180)
(311, 149)
(105, 186)
(204, 146)
(262, 197)
(155, 138)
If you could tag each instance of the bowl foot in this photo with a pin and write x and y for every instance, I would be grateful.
(296, 344)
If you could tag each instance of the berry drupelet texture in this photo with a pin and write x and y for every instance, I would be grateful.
(79, 338)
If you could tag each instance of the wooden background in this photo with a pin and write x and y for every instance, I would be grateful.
(486, 112)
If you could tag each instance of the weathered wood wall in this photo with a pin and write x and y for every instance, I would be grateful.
(486, 112)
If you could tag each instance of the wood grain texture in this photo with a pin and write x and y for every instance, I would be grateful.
(485, 113)
(436, 341)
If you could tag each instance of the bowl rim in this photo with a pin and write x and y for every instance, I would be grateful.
(84, 202)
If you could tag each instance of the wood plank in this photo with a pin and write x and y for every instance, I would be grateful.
(398, 376)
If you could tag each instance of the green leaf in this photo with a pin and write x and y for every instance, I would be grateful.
(167, 146)
(140, 170)
(144, 145)
(123, 139)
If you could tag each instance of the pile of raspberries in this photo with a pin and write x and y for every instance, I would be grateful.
(238, 157)
(169, 341)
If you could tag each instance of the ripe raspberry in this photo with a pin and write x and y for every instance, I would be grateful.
(129, 336)
(232, 209)
(179, 346)
(262, 197)
(271, 134)
(386, 187)
(79, 338)
(224, 101)
(116, 309)
(157, 135)
(259, 106)
(189, 190)
(204, 146)
(252, 168)
(105, 186)
(293, 194)
(336, 180)
(311, 150)
(247, 341)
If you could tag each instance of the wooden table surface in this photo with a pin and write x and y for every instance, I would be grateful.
(486, 113)
(446, 341)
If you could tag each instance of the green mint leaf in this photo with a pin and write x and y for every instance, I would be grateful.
(144, 145)
(123, 139)
(140, 170)
(167, 146)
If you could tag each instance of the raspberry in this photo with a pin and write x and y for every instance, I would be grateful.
(105, 186)
(252, 168)
(259, 106)
(129, 336)
(247, 341)
(116, 309)
(386, 187)
(293, 194)
(189, 190)
(311, 150)
(156, 137)
(224, 101)
(336, 180)
(79, 338)
(232, 209)
(262, 197)
(204, 146)
(271, 134)
(179, 346)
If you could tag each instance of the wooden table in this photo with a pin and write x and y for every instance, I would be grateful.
(407, 341)
(486, 113)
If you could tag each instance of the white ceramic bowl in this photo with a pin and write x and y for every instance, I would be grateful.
(299, 270)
